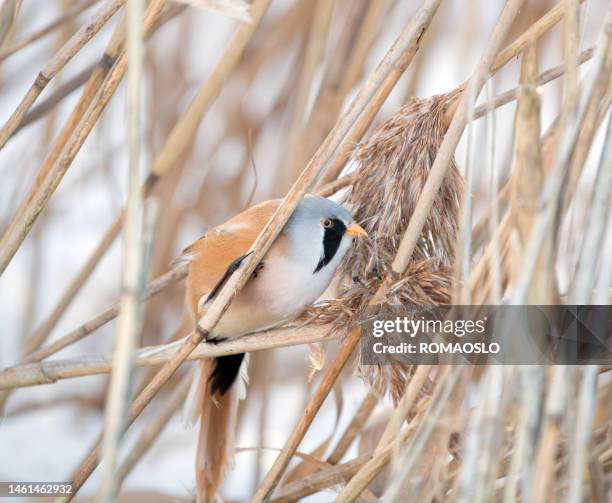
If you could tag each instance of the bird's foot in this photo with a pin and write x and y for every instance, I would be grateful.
(259, 267)
(216, 339)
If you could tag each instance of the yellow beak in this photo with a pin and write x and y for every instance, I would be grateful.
(355, 230)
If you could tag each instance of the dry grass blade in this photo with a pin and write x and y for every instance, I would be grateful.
(137, 229)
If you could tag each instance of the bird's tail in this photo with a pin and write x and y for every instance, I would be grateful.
(218, 386)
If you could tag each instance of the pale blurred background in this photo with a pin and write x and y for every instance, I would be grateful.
(47, 429)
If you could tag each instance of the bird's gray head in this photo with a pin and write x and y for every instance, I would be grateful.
(320, 232)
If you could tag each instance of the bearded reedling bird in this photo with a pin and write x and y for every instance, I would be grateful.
(297, 269)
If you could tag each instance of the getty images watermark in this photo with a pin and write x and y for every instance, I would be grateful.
(485, 335)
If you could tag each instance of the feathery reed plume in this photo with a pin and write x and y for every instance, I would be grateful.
(391, 168)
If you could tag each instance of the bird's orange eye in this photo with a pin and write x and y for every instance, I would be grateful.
(327, 223)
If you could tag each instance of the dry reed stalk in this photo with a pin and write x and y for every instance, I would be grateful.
(571, 44)
(463, 260)
(331, 373)
(528, 178)
(531, 384)
(339, 77)
(94, 99)
(9, 11)
(592, 246)
(314, 55)
(322, 479)
(135, 265)
(597, 78)
(336, 185)
(455, 129)
(359, 482)
(156, 286)
(57, 62)
(391, 437)
(53, 370)
(582, 432)
(483, 224)
(404, 406)
(556, 402)
(594, 117)
(484, 428)
(45, 30)
(406, 43)
(153, 430)
(354, 428)
(493, 192)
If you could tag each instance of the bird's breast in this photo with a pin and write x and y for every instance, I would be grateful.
(279, 293)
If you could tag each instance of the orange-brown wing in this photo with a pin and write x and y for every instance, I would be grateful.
(212, 254)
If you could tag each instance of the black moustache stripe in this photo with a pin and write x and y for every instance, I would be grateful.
(331, 242)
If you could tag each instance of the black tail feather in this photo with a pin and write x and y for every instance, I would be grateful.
(225, 373)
